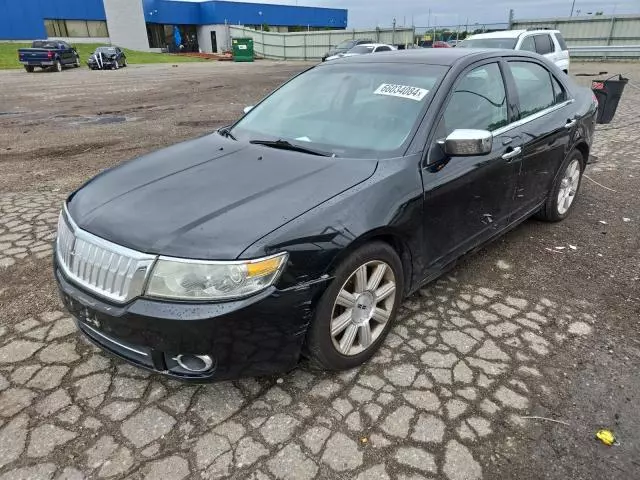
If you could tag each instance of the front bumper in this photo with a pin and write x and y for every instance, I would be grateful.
(259, 335)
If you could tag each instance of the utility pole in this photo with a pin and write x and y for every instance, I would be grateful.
(572, 7)
(511, 14)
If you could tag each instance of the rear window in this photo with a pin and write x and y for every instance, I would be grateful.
(362, 49)
(561, 42)
(543, 44)
(507, 43)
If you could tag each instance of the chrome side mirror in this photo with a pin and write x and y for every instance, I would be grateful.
(248, 109)
(466, 142)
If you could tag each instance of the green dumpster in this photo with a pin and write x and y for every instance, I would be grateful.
(242, 49)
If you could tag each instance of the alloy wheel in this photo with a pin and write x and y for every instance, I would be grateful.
(568, 186)
(363, 307)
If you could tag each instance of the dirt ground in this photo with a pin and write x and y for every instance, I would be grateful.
(544, 322)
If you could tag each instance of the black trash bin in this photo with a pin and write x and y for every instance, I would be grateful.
(608, 93)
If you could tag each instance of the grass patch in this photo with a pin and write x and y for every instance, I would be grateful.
(9, 55)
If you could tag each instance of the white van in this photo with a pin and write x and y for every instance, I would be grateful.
(545, 42)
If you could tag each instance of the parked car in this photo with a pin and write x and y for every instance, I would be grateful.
(548, 43)
(364, 49)
(440, 44)
(302, 227)
(48, 54)
(107, 57)
(344, 47)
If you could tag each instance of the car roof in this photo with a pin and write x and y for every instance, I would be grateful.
(374, 45)
(508, 33)
(430, 56)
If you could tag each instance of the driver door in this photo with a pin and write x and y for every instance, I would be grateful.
(467, 200)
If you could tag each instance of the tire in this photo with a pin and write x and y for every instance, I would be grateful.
(322, 347)
(115, 66)
(77, 62)
(57, 66)
(124, 62)
(555, 209)
(29, 68)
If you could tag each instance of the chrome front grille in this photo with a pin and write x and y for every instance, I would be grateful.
(109, 270)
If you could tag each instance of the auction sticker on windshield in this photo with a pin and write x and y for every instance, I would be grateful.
(402, 91)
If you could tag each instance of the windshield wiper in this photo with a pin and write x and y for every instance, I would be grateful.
(286, 145)
(226, 132)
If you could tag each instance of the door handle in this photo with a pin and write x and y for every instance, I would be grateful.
(570, 123)
(513, 153)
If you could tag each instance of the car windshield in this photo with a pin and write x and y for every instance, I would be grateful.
(506, 43)
(362, 110)
(109, 50)
(362, 49)
(346, 44)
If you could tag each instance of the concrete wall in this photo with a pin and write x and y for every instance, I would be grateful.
(125, 20)
(222, 38)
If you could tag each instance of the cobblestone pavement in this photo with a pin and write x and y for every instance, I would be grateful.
(464, 366)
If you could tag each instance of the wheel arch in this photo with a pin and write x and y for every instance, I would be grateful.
(386, 235)
(583, 147)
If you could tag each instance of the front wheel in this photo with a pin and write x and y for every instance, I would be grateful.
(115, 65)
(565, 189)
(124, 62)
(357, 310)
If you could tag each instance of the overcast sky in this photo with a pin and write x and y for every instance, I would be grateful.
(368, 13)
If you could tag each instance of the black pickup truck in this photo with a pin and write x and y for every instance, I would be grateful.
(53, 54)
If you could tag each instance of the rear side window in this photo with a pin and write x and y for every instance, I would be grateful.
(543, 44)
(561, 42)
(533, 84)
(528, 44)
(559, 93)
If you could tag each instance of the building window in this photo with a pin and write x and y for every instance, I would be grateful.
(76, 28)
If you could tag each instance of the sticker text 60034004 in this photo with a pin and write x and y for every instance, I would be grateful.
(402, 91)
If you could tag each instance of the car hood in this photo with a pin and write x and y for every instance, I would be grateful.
(208, 198)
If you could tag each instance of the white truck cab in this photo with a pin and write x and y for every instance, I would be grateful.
(549, 43)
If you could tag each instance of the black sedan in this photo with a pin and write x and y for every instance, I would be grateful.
(107, 58)
(300, 229)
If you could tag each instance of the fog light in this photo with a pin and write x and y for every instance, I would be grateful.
(194, 363)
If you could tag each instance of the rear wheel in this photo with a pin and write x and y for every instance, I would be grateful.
(357, 310)
(76, 64)
(124, 62)
(57, 66)
(565, 189)
(29, 68)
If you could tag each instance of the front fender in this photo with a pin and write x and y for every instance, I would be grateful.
(388, 205)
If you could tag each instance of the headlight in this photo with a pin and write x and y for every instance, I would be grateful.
(200, 280)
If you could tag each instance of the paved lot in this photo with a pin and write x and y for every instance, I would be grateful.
(522, 329)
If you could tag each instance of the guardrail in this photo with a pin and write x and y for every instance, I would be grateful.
(606, 51)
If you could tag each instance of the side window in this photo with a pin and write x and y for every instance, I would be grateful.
(528, 44)
(561, 42)
(383, 49)
(543, 43)
(559, 93)
(533, 84)
(477, 102)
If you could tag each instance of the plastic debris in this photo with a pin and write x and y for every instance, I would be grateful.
(607, 437)
(603, 222)
(280, 381)
(560, 248)
(625, 219)
(364, 440)
(573, 247)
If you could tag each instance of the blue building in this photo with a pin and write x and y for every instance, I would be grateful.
(154, 24)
